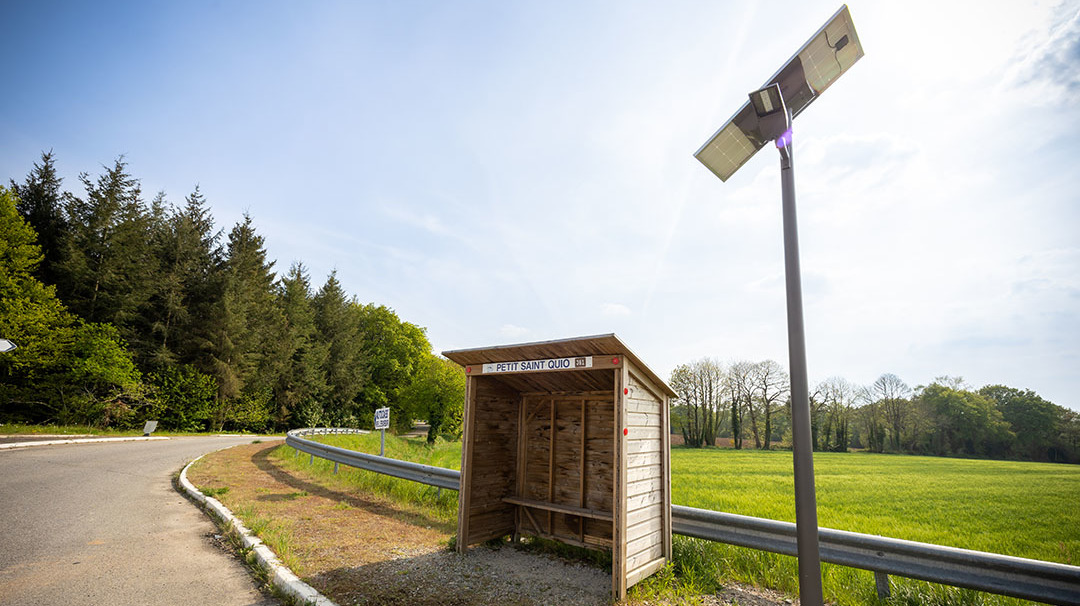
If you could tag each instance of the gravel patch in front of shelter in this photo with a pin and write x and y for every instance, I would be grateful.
(503, 575)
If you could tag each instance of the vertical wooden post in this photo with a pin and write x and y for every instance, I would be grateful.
(551, 472)
(522, 462)
(581, 480)
(618, 546)
(466, 464)
(665, 461)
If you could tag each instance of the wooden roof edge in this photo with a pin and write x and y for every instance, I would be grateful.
(451, 353)
(600, 344)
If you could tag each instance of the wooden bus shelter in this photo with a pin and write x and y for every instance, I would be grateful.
(567, 440)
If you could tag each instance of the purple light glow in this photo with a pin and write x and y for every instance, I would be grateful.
(784, 140)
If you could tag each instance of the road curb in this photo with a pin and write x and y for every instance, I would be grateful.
(16, 445)
(282, 578)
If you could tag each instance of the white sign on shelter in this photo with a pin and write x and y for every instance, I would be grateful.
(576, 363)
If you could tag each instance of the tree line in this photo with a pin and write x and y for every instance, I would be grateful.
(745, 400)
(126, 310)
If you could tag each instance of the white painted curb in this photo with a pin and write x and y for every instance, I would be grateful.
(279, 575)
(14, 445)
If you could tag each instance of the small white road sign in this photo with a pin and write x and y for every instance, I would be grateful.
(6, 345)
(382, 418)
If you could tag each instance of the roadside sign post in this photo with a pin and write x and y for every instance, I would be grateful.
(6, 346)
(382, 423)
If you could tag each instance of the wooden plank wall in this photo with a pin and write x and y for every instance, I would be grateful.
(648, 514)
(571, 467)
(493, 460)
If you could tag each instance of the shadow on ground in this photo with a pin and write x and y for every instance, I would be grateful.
(261, 460)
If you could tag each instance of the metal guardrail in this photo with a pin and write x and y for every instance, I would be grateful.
(1017, 577)
(425, 474)
(1006, 575)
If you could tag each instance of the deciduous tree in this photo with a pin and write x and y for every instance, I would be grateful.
(437, 395)
(771, 387)
(64, 370)
(392, 351)
(700, 386)
(891, 396)
(1031, 418)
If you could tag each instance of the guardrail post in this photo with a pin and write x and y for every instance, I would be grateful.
(335, 468)
(881, 580)
(311, 461)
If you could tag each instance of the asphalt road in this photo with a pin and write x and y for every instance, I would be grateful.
(101, 524)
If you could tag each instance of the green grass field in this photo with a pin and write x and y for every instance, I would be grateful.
(1022, 509)
(1015, 508)
(1030, 510)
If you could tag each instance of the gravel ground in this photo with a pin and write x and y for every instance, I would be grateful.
(486, 576)
(482, 576)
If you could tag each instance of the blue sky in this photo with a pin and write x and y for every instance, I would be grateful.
(501, 172)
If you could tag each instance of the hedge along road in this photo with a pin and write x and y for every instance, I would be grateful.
(102, 524)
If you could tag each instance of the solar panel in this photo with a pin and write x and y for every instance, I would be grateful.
(830, 52)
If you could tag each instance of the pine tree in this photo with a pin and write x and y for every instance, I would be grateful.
(40, 203)
(107, 273)
(187, 288)
(298, 390)
(248, 351)
(343, 369)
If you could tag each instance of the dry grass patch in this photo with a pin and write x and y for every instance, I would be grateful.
(319, 526)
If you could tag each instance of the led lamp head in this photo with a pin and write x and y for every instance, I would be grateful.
(772, 113)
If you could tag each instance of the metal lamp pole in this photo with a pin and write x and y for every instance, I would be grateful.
(830, 52)
(806, 523)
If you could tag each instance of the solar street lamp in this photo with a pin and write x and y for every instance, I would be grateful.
(766, 118)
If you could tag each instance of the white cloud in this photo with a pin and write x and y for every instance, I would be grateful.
(422, 220)
(1048, 70)
(617, 310)
(511, 331)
